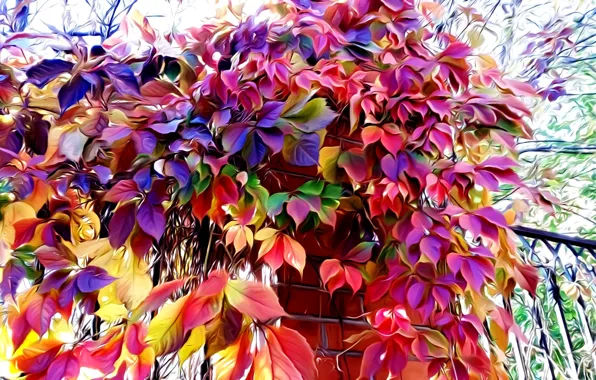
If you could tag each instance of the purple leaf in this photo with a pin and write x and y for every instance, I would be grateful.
(273, 138)
(67, 293)
(121, 224)
(234, 137)
(145, 142)
(72, 92)
(199, 133)
(302, 151)
(151, 219)
(415, 294)
(255, 150)
(92, 278)
(269, 114)
(393, 167)
(12, 275)
(53, 281)
(165, 128)
(123, 78)
(47, 70)
(179, 170)
(143, 178)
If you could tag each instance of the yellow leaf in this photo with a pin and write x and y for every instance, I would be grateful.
(112, 312)
(166, 331)
(328, 157)
(265, 233)
(134, 283)
(84, 224)
(12, 214)
(91, 248)
(234, 361)
(195, 341)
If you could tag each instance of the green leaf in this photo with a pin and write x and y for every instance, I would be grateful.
(332, 192)
(315, 115)
(314, 187)
(276, 202)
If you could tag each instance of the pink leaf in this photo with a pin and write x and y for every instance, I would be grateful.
(353, 277)
(298, 209)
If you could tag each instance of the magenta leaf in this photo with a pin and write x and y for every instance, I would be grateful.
(431, 247)
(415, 294)
(298, 209)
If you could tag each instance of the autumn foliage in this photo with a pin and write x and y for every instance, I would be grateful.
(148, 184)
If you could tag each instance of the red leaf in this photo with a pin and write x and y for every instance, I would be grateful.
(225, 190)
(140, 243)
(332, 274)
(25, 230)
(201, 203)
(526, 276)
(157, 297)
(353, 277)
(122, 191)
(296, 348)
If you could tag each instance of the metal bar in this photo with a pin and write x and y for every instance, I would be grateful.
(323, 320)
(551, 236)
(560, 313)
(543, 341)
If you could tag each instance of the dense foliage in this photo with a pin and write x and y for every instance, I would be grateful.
(185, 165)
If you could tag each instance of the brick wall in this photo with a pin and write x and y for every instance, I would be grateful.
(327, 321)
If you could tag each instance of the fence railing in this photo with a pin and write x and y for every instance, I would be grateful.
(560, 322)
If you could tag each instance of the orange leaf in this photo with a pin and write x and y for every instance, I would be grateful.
(254, 299)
